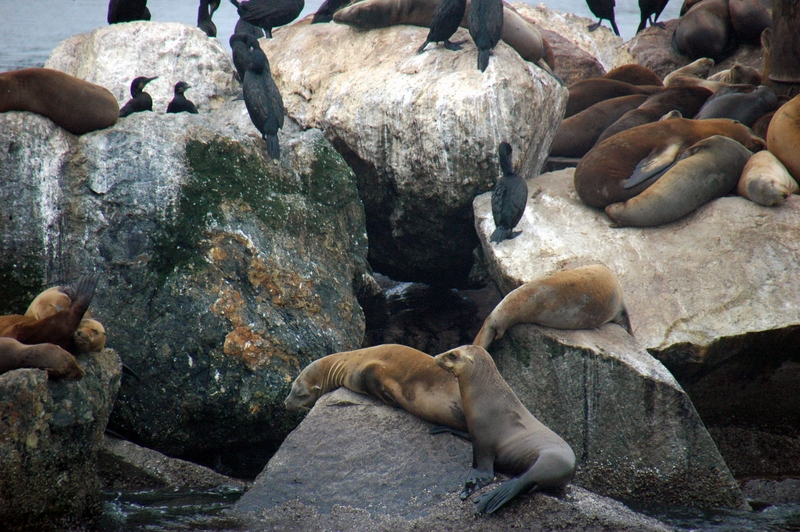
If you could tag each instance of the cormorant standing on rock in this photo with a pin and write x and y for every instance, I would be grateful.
(485, 21)
(127, 11)
(262, 98)
(602, 9)
(240, 53)
(650, 10)
(140, 100)
(269, 14)
(446, 18)
(509, 197)
(204, 21)
(179, 103)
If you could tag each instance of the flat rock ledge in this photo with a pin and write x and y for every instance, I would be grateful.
(357, 464)
(50, 435)
(421, 132)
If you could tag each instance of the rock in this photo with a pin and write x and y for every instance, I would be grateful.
(420, 131)
(224, 272)
(785, 491)
(710, 295)
(757, 451)
(50, 435)
(653, 48)
(635, 433)
(123, 465)
(572, 63)
(357, 464)
(111, 56)
(601, 43)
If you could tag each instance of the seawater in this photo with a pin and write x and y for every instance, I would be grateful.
(30, 29)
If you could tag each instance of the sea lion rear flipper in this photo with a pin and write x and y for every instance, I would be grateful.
(490, 502)
(658, 162)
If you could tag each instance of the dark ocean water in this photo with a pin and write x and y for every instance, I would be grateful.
(30, 29)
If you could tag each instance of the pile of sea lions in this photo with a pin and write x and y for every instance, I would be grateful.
(56, 326)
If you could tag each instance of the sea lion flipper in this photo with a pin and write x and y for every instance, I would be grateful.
(490, 502)
(656, 163)
(440, 429)
(479, 476)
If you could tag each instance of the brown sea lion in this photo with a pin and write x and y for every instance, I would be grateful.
(582, 298)
(707, 170)
(577, 134)
(74, 104)
(505, 435)
(705, 31)
(50, 301)
(783, 136)
(58, 363)
(56, 329)
(634, 74)
(686, 100)
(90, 336)
(585, 93)
(750, 18)
(738, 74)
(371, 14)
(766, 181)
(687, 5)
(746, 107)
(397, 375)
(636, 156)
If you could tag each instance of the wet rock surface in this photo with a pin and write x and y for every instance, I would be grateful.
(50, 435)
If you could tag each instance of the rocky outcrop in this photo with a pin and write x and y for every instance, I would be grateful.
(224, 272)
(357, 464)
(572, 63)
(111, 56)
(710, 295)
(635, 433)
(50, 435)
(420, 131)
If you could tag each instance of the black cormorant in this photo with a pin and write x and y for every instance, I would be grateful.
(485, 21)
(446, 18)
(179, 103)
(204, 21)
(509, 197)
(262, 98)
(127, 11)
(240, 53)
(602, 9)
(242, 26)
(650, 11)
(140, 100)
(269, 14)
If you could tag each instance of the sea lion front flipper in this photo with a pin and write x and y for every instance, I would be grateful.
(478, 477)
(659, 160)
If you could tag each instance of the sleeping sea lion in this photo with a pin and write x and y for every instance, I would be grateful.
(50, 301)
(397, 375)
(738, 74)
(587, 92)
(90, 336)
(749, 18)
(765, 180)
(707, 170)
(783, 136)
(58, 363)
(74, 104)
(746, 107)
(582, 298)
(505, 435)
(634, 74)
(705, 31)
(635, 157)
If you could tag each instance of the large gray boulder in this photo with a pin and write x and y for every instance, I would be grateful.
(356, 464)
(420, 131)
(224, 272)
(711, 295)
(50, 435)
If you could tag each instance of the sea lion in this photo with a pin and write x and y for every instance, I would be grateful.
(58, 363)
(671, 115)
(577, 134)
(634, 74)
(587, 92)
(765, 180)
(582, 298)
(707, 170)
(50, 301)
(634, 157)
(505, 435)
(738, 74)
(685, 100)
(90, 336)
(74, 104)
(518, 33)
(397, 375)
(56, 329)
(783, 136)
(509, 197)
(705, 31)
(746, 107)
(750, 18)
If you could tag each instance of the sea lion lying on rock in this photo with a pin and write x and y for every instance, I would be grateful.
(766, 181)
(58, 363)
(90, 335)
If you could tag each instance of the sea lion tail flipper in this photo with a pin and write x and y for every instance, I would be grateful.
(658, 162)
(483, 59)
(490, 502)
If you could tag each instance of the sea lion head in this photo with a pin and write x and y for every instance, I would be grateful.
(90, 336)
(306, 389)
(457, 361)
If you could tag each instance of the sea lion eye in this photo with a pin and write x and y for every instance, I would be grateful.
(451, 356)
